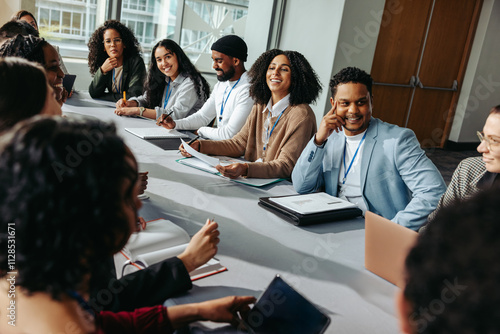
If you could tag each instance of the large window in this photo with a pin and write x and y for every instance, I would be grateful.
(194, 24)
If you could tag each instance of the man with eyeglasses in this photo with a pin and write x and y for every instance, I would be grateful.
(477, 173)
(230, 102)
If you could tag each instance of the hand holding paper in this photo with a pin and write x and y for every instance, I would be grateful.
(233, 171)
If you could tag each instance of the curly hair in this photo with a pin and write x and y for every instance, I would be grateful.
(453, 271)
(63, 190)
(351, 74)
(97, 53)
(27, 47)
(13, 28)
(20, 98)
(155, 82)
(305, 86)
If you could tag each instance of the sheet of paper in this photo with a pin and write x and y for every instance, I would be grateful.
(203, 157)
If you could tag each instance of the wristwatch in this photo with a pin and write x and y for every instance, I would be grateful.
(141, 110)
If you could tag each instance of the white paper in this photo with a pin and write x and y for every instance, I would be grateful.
(312, 203)
(203, 157)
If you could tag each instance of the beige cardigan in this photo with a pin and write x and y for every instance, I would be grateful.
(295, 128)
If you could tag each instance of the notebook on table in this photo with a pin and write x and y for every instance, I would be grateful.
(310, 209)
(386, 246)
(281, 309)
(156, 133)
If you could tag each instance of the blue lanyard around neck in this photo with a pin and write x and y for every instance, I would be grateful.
(268, 134)
(352, 160)
(167, 94)
(117, 85)
(223, 104)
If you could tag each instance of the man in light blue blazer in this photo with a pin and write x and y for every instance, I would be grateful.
(376, 165)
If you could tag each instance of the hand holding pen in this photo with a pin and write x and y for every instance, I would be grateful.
(166, 121)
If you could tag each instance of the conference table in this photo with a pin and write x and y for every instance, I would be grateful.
(324, 262)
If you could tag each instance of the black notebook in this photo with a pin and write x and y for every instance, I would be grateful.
(310, 209)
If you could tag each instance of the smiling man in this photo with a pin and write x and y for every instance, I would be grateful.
(376, 165)
(230, 102)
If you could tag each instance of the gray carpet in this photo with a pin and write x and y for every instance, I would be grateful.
(446, 160)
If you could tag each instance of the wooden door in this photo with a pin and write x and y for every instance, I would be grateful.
(430, 42)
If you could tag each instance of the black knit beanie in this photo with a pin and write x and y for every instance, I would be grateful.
(231, 45)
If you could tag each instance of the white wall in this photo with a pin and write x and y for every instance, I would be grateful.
(9, 7)
(312, 28)
(481, 86)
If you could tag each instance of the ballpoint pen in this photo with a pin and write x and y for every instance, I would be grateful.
(170, 113)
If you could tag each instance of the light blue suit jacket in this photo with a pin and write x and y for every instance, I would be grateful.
(398, 181)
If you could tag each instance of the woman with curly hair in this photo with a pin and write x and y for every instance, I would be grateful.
(173, 86)
(20, 98)
(115, 62)
(61, 241)
(281, 122)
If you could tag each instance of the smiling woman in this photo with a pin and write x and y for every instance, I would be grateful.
(40, 51)
(477, 173)
(281, 122)
(115, 62)
(173, 87)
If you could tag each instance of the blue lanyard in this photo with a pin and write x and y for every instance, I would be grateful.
(222, 105)
(268, 134)
(352, 160)
(167, 94)
(118, 88)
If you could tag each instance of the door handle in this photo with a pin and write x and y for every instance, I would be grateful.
(412, 83)
(454, 86)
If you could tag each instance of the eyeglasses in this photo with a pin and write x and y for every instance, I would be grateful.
(490, 142)
(115, 41)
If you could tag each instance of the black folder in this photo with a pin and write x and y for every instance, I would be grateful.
(308, 219)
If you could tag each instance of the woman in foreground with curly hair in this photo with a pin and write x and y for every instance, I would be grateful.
(281, 123)
(173, 86)
(62, 225)
(115, 62)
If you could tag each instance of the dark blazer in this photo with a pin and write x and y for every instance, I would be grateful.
(147, 287)
(134, 73)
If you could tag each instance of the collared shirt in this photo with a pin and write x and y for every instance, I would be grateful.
(236, 110)
(183, 99)
(278, 107)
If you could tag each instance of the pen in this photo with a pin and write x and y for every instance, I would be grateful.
(190, 142)
(124, 96)
(170, 113)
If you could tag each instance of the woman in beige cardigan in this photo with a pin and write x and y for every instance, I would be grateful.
(281, 122)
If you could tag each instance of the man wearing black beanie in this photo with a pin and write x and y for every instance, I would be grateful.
(230, 102)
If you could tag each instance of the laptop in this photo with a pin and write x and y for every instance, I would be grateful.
(386, 246)
(281, 309)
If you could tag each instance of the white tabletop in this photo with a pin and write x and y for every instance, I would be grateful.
(323, 262)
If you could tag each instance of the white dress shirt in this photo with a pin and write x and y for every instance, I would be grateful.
(237, 107)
